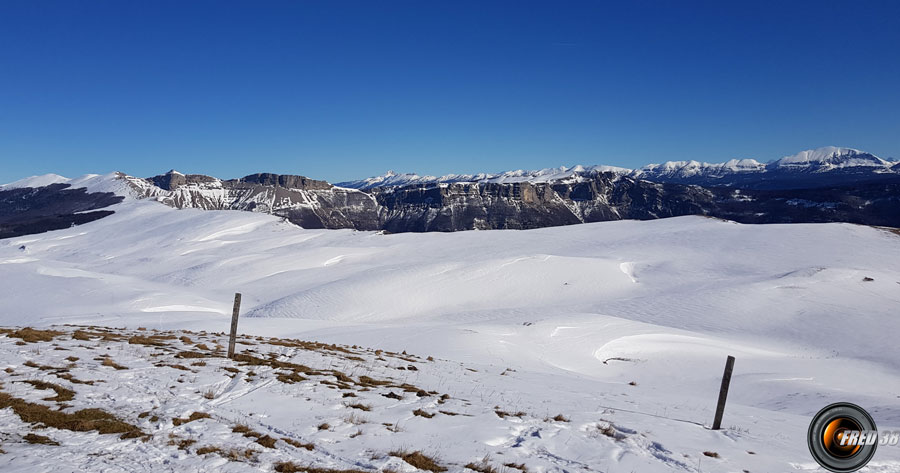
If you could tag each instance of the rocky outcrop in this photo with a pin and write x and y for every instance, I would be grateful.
(446, 207)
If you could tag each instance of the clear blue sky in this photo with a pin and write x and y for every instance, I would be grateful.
(339, 90)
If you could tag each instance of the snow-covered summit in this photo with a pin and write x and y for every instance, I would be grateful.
(831, 156)
(114, 182)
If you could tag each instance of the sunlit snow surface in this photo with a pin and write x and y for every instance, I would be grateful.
(577, 312)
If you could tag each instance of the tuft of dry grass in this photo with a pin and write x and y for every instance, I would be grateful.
(79, 421)
(517, 466)
(290, 467)
(298, 444)
(62, 394)
(711, 454)
(39, 439)
(418, 460)
(560, 418)
(421, 413)
(241, 429)
(194, 416)
(504, 414)
(266, 441)
(73, 359)
(30, 335)
(324, 426)
(360, 406)
(191, 354)
(152, 340)
(110, 362)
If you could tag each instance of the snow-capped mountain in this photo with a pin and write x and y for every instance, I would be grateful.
(562, 173)
(824, 185)
(833, 165)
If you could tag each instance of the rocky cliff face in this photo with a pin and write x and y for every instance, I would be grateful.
(600, 196)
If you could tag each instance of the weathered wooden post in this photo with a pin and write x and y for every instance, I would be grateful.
(234, 320)
(723, 392)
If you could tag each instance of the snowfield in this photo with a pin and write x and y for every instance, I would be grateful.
(594, 347)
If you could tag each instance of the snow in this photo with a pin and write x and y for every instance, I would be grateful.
(114, 182)
(550, 321)
(830, 157)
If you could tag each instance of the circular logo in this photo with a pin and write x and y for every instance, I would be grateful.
(842, 437)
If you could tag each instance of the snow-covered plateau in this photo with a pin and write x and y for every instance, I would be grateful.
(595, 347)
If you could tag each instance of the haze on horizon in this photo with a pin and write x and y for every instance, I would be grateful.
(345, 90)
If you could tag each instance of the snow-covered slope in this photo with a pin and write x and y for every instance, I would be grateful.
(586, 309)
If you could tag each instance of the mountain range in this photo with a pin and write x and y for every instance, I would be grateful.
(824, 185)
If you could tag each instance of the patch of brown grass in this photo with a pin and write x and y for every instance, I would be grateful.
(362, 407)
(79, 421)
(39, 439)
(62, 394)
(194, 416)
(483, 467)
(421, 413)
(111, 363)
(517, 466)
(711, 454)
(192, 354)
(240, 429)
(560, 418)
(152, 340)
(324, 426)
(419, 460)
(290, 467)
(68, 377)
(30, 335)
(266, 441)
(504, 414)
(298, 444)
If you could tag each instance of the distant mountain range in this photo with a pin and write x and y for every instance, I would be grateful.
(813, 168)
(823, 185)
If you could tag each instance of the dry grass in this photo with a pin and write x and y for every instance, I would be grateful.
(560, 418)
(711, 454)
(517, 466)
(62, 394)
(298, 444)
(74, 380)
(266, 441)
(362, 407)
(194, 416)
(421, 413)
(153, 340)
(504, 414)
(79, 421)
(182, 444)
(324, 426)
(419, 460)
(39, 439)
(232, 454)
(290, 467)
(483, 467)
(191, 354)
(110, 362)
(241, 429)
(30, 335)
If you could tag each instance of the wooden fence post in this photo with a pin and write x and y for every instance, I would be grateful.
(234, 320)
(723, 393)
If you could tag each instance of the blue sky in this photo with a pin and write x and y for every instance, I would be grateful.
(338, 90)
